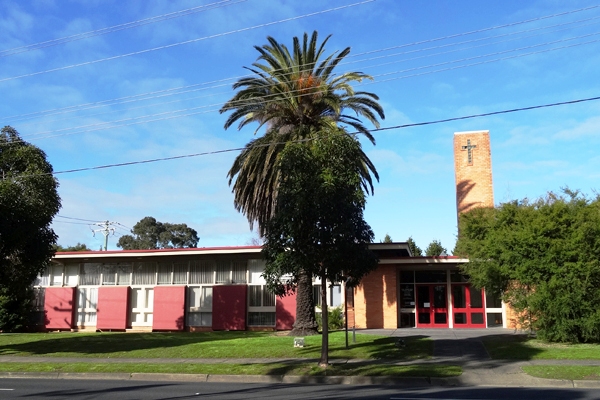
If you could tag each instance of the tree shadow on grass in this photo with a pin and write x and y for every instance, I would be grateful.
(392, 348)
(98, 344)
(510, 347)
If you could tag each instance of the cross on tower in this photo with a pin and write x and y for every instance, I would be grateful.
(469, 147)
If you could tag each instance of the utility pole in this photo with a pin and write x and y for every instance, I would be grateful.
(106, 228)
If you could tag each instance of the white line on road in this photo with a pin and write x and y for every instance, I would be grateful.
(6, 389)
(427, 398)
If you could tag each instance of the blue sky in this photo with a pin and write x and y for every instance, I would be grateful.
(164, 102)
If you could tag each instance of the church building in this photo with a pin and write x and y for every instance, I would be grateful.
(222, 288)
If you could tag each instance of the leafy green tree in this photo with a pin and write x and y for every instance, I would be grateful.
(297, 96)
(435, 248)
(77, 247)
(28, 202)
(414, 249)
(543, 256)
(387, 239)
(318, 229)
(149, 233)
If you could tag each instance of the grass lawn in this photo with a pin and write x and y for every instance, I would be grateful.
(302, 369)
(520, 347)
(239, 344)
(573, 372)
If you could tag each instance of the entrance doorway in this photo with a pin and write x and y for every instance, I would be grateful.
(432, 306)
(467, 306)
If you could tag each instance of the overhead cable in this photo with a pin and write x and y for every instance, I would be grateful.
(116, 28)
(185, 42)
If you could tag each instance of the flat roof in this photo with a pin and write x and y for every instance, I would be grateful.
(158, 252)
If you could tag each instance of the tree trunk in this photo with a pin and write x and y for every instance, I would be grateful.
(305, 324)
(324, 361)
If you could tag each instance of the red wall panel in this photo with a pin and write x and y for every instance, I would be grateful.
(169, 308)
(58, 306)
(285, 312)
(112, 307)
(229, 307)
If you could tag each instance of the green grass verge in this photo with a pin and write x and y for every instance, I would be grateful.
(572, 372)
(207, 345)
(521, 347)
(297, 369)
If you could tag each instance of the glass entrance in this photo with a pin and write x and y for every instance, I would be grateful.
(467, 306)
(432, 306)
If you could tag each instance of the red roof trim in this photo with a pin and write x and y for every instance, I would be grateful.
(160, 250)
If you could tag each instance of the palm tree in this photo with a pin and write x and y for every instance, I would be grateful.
(297, 97)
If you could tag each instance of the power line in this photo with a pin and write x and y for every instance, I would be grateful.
(186, 41)
(513, 110)
(116, 28)
(77, 219)
(166, 115)
(76, 223)
(168, 92)
(415, 124)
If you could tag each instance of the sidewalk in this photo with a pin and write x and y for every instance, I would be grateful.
(452, 347)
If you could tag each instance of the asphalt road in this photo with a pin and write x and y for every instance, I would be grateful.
(121, 390)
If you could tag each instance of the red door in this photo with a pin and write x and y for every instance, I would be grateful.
(432, 306)
(467, 306)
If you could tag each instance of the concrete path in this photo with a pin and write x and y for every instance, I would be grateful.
(451, 347)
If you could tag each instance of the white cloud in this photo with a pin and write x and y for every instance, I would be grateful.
(588, 128)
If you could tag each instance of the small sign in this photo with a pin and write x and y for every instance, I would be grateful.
(299, 342)
(426, 305)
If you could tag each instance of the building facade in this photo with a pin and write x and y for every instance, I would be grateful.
(222, 288)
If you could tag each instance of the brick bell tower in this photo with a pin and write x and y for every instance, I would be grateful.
(473, 170)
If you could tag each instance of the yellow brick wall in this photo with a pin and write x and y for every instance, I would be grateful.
(375, 299)
(473, 180)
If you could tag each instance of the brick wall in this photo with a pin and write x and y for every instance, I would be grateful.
(473, 179)
(375, 299)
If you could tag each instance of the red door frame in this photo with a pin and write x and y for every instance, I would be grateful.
(467, 312)
(430, 305)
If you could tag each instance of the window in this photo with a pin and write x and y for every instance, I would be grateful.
(261, 306)
(43, 279)
(202, 272)
(38, 315)
(124, 274)
(71, 274)
(109, 274)
(223, 272)
(407, 295)
(90, 274)
(87, 300)
(180, 273)
(238, 271)
(57, 275)
(492, 300)
(261, 319)
(255, 270)
(231, 271)
(430, 276)
(142, 306)
(200, 306)
(259, 296)
(335, 298)
(144, 273)
(165, 272)
(407, 276)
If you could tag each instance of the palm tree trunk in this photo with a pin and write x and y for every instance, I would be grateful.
(305, 324)
(324, 361)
